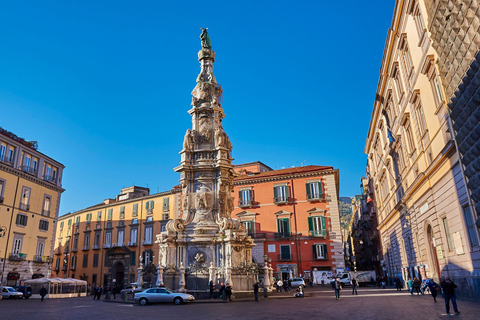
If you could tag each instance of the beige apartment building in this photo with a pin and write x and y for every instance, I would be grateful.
(30, 189)
(102, 244)
(422, 204)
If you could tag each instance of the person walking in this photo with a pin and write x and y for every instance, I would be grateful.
(398, 283)
(337, 286)
(222, 292)
(255, 291)
(43, 292)
(228, 292)
(279, 285)
(99, 292)
(210, 285)
(433, 287)
(416, 285)
(449, 294)
(410, 286)
(354, 286)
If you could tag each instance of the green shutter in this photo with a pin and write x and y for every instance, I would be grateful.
(310, 224)
(308, 190)
(133, 258)
(314, 248)
(286, 225)
(240, 199)
(279, 225)
(325, 254)
(250, 198)
(287, 193)
(324, 225)
(275, 193)
(320, 189)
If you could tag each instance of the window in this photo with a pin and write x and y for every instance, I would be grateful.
(317, 226)
(11, 151)
(398, 82)
(3, 148)
(430, 70)
(438, 89)
(108, 238)
(283, 227)
(88, 217)
(43, 225)
(17, 244)
(417, 105)
(166, 204)
(135, 209)
(86, 241)
(99, 215)
(280, 194)
(148, 234)
(74, 263)
(417, 15)
(2, 188)
(46, 206)
(109, 214)
(40, 249)
(21, 220)
(57, 264)
(133, 236)
(447, 233)
(149, 206)
(25, 199)
(165, 216)
(147, 257)
(122, 212)
(96, 240)
(248, 227)
(95, 260)
(75, 243)
(133, 259)
(69, 223)
(245, 197)
(61, 226)
(77, 220)
(407, 59)
(320, 251)
(408, 133)
(471, 228)
(314, 190)
(85, 261)
(285, 253)
(120, 237)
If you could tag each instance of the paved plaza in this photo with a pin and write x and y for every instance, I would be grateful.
(320, 303)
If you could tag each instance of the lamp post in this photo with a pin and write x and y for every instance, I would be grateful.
(3, 231)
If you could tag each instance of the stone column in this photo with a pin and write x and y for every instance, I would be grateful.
(211, 273)
(181, 282)
(159, 274)
(271, 277)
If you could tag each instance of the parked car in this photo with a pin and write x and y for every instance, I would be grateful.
(25, 290)
(297, 282)
(10, 293)
(154, 295)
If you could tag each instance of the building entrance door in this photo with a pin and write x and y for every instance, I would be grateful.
(119, 274)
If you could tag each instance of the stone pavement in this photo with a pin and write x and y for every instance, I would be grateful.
(319, 303)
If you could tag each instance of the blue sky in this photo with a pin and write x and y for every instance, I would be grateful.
(104, 86)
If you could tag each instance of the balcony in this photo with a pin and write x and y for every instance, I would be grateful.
(315, 197)
(280, 235)
(147, 242)
(96, 247)
(66, 250)
(28, 169)
(41, 259)
(258, 235)
(149, 211)
(6, 160)
(132, 243)
(107, 245)
(245, 203)
(118, 244)
(50, 178)
(285, 257)
(317, 233)
(72, 267)
(24, 207)
(56, 268)
(74, 249)
(45, 213)
(281, 200)
(17, 257)
(58, 251)
(86, 248)
(64, 267)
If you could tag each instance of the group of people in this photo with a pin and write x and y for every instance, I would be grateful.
(283, 285)
(224, 292)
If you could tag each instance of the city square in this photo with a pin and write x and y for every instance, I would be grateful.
(193, 168)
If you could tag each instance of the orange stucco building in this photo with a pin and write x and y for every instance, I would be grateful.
(293, 215)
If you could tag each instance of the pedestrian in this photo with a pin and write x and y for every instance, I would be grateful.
(384, 282)
(354, 286)
(337, 286)
(279, 285)
(99, 292)
(228, 291)
(255, 291)
(398, 283)
(210, 285)
(43, 292)
(410, 286)
(222, 292)
(285, 285)
(449, 294)
(114, 291)
(433, 287)
(416, 285)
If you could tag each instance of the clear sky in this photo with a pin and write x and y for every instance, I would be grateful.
(104, 86)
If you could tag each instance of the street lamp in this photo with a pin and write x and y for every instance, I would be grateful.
(3, 231)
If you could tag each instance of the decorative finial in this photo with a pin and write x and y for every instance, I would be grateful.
(206, 43)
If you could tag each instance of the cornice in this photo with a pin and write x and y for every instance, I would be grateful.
(253, 179)
(31, 178)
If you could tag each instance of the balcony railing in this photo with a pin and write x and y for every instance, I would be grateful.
(245, 203)
(45, 213)
(66, 250)
(147, 242)
(315, 197)
(149, 211)
(64, 268)
(17, 257)
(58, 251)
(72, 267)
(107, 245)
(283, 235)
(258, 235)
(132, 243)
(50, 178)
(42, 259)
(24, 207)
(285, 257)
(317, 233)
(118, 244)
(74, 249)
(96, 247)
(56, 268)
(5, 159)
(28, 169)
(280, 200)
(166, 208)
(85, 248)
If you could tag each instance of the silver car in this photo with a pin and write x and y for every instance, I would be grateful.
(297, 282)
(154, 295)
(10, 293)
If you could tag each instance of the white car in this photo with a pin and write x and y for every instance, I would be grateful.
(10, 293)
(153, 295)
(297, 282)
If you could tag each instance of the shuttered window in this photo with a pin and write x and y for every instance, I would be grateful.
(314, 190)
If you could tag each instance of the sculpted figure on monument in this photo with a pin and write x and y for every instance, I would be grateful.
(220, 137)
(188, 141)
(205, 129)
(204, 37)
